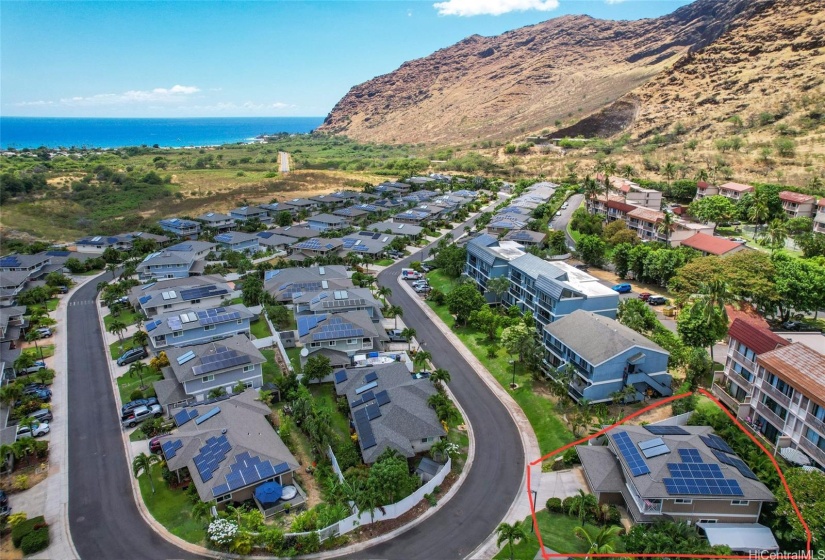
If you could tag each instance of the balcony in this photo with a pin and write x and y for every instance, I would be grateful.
(739, 357)
(812, 450)
(770, 416)
(726, 398)
(776, 394)
(739, 379)
(815, 423)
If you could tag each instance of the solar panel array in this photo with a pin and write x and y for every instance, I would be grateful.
(370, 377)
(736, 463)
(144, 299)
(631, 455)
(319, 297)
(170, 448)
(700, 479)
(185, 416)
(218, 317)
(270, 274)
(715, 442)
(203, 292)
(152, 325)
(183, 358)
(367, 387)
(223, 358)
(174, 323)
(340, 376)
(365, 398)
(350, 242)
(335, 328)
(248, 469)
(653, 448)
(207, 415)
(667, 430)
(344, 303)
(382, 398)
(690, 456)
(313, 244)
(211, 455)
(309, 322)
(365, 434)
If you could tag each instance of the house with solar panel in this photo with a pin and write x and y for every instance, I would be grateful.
(338, 301)
(288, 283)
(317, 247)
(295, 232)
(328, 201)
(302, 204)
(238, 241)
(230, 450)
(678, 473)
(179, 294)
(327, 222)
(527, 238)
(339, 336)
(196, 326)
(505, 223)
(349, 214)
(224, 363)
(605, 357)
(217, 221)
(414, 217)
(389, 410)
(186, 229)
(367, 243)
(409, 231)
(271, 240)
(16, 271)
(245, 213)
(274, 208)
(184, 259)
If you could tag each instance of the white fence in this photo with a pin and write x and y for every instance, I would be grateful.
(680, 420)
(276, 337)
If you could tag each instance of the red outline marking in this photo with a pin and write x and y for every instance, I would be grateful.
(704, 392)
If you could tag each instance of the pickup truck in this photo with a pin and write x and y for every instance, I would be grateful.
(142, 413)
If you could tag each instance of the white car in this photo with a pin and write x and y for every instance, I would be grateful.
(36, 430)
(142, 413)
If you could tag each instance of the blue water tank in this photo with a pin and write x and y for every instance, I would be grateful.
(372, 355)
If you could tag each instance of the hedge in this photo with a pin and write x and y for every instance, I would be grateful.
(26, 527)
(35, 541)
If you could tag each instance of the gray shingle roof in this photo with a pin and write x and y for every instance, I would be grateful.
(239, 343)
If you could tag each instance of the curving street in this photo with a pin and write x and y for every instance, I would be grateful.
(105, 522)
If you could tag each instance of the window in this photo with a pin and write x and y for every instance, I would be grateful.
(427, 439)
(707, 521)
(248, 368)
(240, 321)
(207, 379)
(332, 343)
(682, 501)
(224, 498)
(314, 344)
(739, 502)
(247, 384)
(352, 341)
(177, 334)
(209, 327)
(194, 301)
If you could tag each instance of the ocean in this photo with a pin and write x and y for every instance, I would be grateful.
(33, 132)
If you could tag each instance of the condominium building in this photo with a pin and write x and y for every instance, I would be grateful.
(819, 217)
(798, 205)
(734, 191)
(703, 189)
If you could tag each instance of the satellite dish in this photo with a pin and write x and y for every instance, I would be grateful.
(304, 352)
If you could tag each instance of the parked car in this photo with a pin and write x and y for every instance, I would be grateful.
(4, 500)
(422, 289)
(395, 336)
(799, 326)
(42, 415)
(36, 430)
(37, 391)
(644, 296)
(421, 375)
(43, 332)
(154, 445)
(142, 413)
(564, 206)
(37, 366)
(657, 300)
(558, 213)
(623, 288)
(419, 283)
(63, 289)
(129, 406)
(132, 355)
(426, 268)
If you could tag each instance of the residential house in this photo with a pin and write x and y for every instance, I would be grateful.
(798, 205)
(403, 188)
(489, 258)
(270, 240)
(302, 204)
(414, 217)
(229, 448)
(645, 222)
(338, 301)
(217, 221)
(712, 245)
(612, 207)
(819, 217)
(201, 368)
(317, 247)
(327, 222)
(238, 241)
(527, 238)
(11, 285)
(12, 323)
(340, 336)
(283, 284)
(389, 410)
(296, 232)
(186, 229)
(350, 214)
(350, 196)
(677, 473)
(504, 223)
(410, 231)
(198, 326)
(634, 194)
(367, 243)
(247, 213)
(621, 358)
(328, 201)
(274, 208)
(703, 189)
(734, 191)
(175, 295)
(17, 271)
(184, 259)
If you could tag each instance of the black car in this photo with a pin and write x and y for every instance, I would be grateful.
(124, 410)
(792, 325)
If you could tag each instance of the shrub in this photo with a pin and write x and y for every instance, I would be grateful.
(16, 518)
(35, 541)
(308, 544)
(273, 539)
(567, 503)
(136, 395)
(614, 516)
(571, 457)
(437, 296)
(23, 528)
(554, 505)
(492, 351)
(21, 482)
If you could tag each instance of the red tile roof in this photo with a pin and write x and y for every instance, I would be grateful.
(702, 185)
(710, 244)
(799, 198)
(821, 202)
(800, 366)
(747, 313)
(646, 214)
(738, 187)
(758, 339)
(623, 206)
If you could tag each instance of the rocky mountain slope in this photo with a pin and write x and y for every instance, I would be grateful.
(526, 79)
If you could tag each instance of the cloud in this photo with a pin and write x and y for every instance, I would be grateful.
(229, 106)
(157, 95)
(613, 1)
(492, 7)
(39, 103)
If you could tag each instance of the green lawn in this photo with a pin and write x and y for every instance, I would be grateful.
(46, 350)
(50, 305)
(126, 316)
(126, 384)
(235, 301)
(270, 368)
(556, 533)
(294, 355)
(384, 262)
(115, 349)
(171, 508)
(551, 432)
(324, 395)
(260, 329)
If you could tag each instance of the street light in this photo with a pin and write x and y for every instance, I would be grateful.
(513, 383)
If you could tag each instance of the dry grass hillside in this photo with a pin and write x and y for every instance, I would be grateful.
(526, 79)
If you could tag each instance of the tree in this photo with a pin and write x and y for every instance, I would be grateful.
(498, 286)
(408, 333)
(463, 300)
(390, 478)
(141, 338)
(487, 321)
(758, 213)
(637, 315)
(394, 311)
(421, 358)
(515, 339)
(23, 362)
(439, 377)
(138, 369)
(10, 393)
(591, 249)
(279, 315)
(253, 290)
(317, 367)
(450, 259)
(667, 225)
(384, 292)
(117, 327)
(714, 209)
(705, 321)
(510, 534)
(599, 541)
(776, 235)
(557, 242)
(284, 219)
(807, 489)
(143, 463)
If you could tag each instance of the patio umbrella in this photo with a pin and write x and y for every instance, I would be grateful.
(268, 492)
(794, 456)
(810, 468)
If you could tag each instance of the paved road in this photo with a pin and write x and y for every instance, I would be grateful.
(284, 157)
(560, 222)
(103, 518)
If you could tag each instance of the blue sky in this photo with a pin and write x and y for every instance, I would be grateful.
(233, 58)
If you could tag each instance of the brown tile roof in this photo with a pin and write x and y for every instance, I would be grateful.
(799, 198)
(647, 214)
(702, 185)
(821, 202)
(710, 244)
(758, 339)
(800, 366)
(746, 312)
(623, 206)
(738, 187)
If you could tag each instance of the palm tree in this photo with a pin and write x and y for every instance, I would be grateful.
(421, 358)
(10, 393)
(714, 296)
(143, 464)
(777, 233)
(138, 369)
(202, 511)
(384, 292)
(111, 267)
(101, 286)
(510, 534)
(758, 213)
(581, 504)
(7, 456)
(395, 312)
(601, 542)
(23, 362)
(408, 333)
(141, 338)
(439, 449)
(439, 377)
(667, 226)
(669, 171)
(24, 447)
(701, 175)
(33, 336)
(117, 327)
(591, 191)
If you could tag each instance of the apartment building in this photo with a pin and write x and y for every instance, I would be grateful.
(645, 222)
(734, 191)
(819, 217)
(703, 189)
(798, 205)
